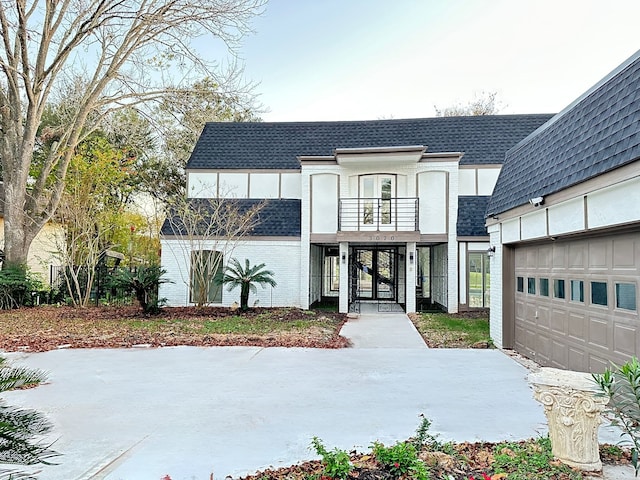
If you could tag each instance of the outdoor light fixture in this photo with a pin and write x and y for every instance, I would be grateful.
(491, 251)
(344, 257)
(411, 257)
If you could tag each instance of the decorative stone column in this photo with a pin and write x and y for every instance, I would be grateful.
(573, 412)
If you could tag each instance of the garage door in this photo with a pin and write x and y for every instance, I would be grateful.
(576, 302)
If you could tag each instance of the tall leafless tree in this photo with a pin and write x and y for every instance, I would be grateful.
(120, 53)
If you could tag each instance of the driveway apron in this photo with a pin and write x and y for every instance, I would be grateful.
(189, 412)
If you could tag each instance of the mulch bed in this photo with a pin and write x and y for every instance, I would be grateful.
(477, 461)
(46, 328)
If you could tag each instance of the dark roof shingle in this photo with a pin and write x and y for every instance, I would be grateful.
(277, 218)
(471, 212)
(483, 139)
(596, 134)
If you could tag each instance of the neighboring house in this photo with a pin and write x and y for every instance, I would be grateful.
(564, 221)
(388, 211)
(42, 253)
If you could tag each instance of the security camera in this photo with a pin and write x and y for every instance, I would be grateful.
(537, 201)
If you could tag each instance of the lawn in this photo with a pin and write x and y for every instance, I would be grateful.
(48, 328)
(444, 330)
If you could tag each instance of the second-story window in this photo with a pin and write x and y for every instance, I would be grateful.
(377, 193)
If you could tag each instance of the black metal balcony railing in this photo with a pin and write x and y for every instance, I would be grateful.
(384, 214)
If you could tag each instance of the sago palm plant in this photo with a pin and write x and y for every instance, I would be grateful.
(246, 277)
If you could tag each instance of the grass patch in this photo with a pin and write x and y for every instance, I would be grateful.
(442, 330)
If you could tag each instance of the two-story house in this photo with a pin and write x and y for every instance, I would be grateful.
(388, 212)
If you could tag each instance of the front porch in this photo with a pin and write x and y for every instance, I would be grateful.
(374, 277)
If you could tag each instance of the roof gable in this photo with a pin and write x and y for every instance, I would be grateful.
(597, 133)
(264, 145)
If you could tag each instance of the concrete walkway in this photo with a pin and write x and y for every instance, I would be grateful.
(389, 330)
(187, 412)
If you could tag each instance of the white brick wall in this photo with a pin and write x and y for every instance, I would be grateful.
(452, 306)
(282, 257)
(495, 315)
(305, 243)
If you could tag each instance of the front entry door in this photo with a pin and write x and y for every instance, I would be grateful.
(376, 274)
(377, 193)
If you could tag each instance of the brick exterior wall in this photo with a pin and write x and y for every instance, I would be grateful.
(280, 256)
(495, 315)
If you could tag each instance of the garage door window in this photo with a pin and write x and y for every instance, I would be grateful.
(577, 291)
(520, 282)
(531, 286)
(626, 296)
(558, 289)
(599, 293)
(544, 287)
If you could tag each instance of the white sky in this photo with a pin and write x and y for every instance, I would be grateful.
(369, 59)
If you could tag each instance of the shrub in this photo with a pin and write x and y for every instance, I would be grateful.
(425, 439)
(622, 385)
(144, 281)
(400, 459)
(18, 287)
(337, 463)
(531, 460)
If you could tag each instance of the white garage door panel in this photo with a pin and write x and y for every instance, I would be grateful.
(599, 333)
(568, 333)
(543, 317)
(598, 364)
(559, 356)
(576, 359)
(624, 339)
(576, 327)
(559, 320)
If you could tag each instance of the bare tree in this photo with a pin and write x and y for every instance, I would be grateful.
(206, 231)
(118, 54)
(484, 103)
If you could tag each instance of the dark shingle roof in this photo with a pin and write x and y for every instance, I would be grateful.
(471, 216)
(596, 134)
(483, 139)
(278, 217)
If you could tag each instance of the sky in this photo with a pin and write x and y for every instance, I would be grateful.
(372, 59)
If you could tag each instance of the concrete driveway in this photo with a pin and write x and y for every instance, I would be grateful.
(189, 412)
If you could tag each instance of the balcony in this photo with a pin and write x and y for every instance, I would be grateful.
(378, 214)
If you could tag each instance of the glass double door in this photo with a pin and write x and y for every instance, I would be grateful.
(375, 274)
(377, 194)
